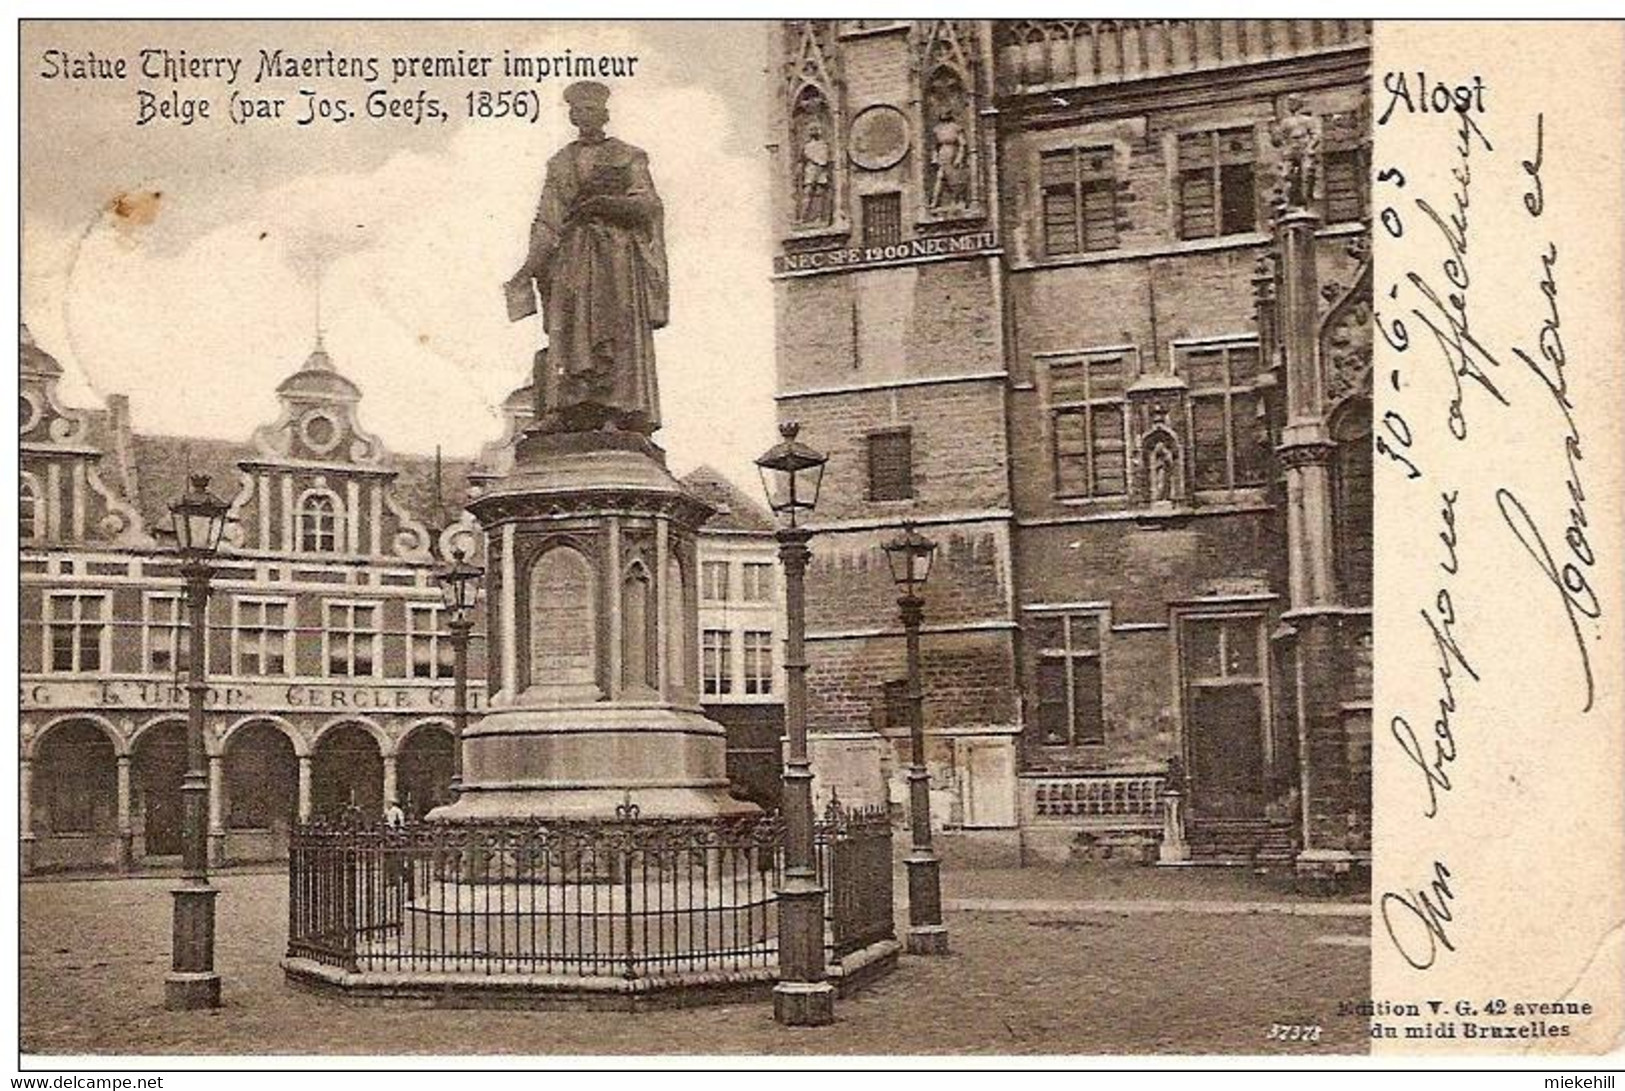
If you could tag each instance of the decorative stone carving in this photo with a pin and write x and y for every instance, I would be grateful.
(950, 152)
(1160, 475)
(880, 138)
(676, 646)
(639, 669)
(462, 535)
(1165, 483)
(946, 66)
(1296, 140)
(1345, 343)
(813, 114)
(815, 173)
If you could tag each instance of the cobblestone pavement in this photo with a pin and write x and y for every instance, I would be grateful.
(1045, 982)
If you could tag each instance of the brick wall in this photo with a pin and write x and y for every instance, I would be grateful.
(966, 678)
(956, 439)
(850, 585)
(882, 325)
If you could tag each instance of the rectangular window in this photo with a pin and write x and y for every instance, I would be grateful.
(1069, 706)
(1345, 166)
(891, 465)
(1344, 181)
(716, 662)
(169, 636)
(882, 219)
(1224, 404)
(758, 582)
(1217, 192)
(264, 631)
(429, 649)
(758, 662)
(1087, 421)
(1079, 200)
(76, 632)
(352, 639)
(714, 582)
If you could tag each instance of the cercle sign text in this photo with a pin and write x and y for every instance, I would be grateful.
(246, 696)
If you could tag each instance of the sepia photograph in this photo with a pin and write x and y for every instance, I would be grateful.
(813, 537)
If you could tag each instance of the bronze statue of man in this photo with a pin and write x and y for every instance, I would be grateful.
(598, 262)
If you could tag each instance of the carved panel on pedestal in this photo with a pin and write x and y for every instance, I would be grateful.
(677, 626)
(563, 629)
(639, 644)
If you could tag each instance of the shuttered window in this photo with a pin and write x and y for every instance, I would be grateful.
(1086, 415)
(1217, 189)
(1080, 200)
(891, 465)
(1224, 406)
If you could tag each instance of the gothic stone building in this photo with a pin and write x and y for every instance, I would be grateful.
(329, 664)
(1089, 301)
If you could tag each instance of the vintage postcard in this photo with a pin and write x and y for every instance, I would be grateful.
(1076, 538)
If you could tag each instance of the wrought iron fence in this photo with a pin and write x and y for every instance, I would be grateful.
(855, 870)
(583, 899)
(626, 898)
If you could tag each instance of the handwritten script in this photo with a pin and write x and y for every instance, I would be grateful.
(1495, 389)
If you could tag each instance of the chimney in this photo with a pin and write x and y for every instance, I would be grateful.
(118, 417)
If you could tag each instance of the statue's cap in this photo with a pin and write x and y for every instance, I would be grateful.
(586, 93)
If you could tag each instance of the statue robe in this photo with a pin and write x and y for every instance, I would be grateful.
(598, 261)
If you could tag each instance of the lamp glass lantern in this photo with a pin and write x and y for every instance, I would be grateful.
(792, 473)
(459, 582)
(909, 555)
(199, 519)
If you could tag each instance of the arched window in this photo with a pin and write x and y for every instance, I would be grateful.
(30, 519)
(319, 523)
(1352, 499)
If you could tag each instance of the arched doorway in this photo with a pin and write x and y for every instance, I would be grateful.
(347, 770)
(423, 770)
(159, 764)
(74, 804)
(261, 792)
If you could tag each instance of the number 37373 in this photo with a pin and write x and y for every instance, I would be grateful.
(1294, 1032)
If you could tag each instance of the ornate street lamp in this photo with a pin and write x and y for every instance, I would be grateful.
(909, 554)
(791, 473)
(459, 582)
(199, 520)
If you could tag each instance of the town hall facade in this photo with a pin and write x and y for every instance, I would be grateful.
(1089, 302)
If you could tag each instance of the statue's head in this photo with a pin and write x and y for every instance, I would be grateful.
(589, 106)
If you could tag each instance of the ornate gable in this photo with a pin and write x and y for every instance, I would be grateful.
(64, 498)
(318, 483)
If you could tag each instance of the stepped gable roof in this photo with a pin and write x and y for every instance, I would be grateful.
(735, 510)
(319, 379)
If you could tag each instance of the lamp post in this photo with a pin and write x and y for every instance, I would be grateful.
(791, 473)
(199, 519)
(909, 555)
(458, 583)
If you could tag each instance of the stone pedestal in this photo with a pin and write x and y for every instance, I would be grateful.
(592, 580)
